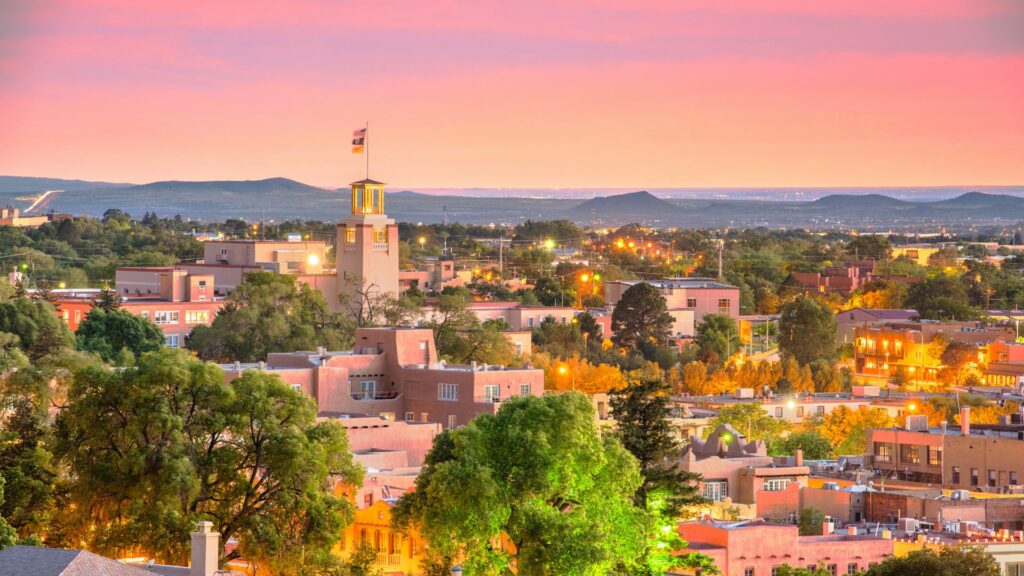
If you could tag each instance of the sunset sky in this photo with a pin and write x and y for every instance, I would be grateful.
(525, 93)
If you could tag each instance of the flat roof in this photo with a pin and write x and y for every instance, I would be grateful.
(683, 282)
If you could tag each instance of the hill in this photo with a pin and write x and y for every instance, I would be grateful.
(634, 205)
(29, 184)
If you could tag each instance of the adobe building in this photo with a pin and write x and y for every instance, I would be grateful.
(688, 299)
(757, 547)
(841, 279)
(395, 373)
(516, 315)
(736, 471)
(976, 457)
(179, 302)
(436, 274)
(847, 321)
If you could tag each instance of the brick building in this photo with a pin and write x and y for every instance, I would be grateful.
(688, 299)
(395, 373)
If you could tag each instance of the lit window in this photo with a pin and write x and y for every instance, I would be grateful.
(724, 305)
(350, 234)
(380, 235)
(197, 316)
(934, 456)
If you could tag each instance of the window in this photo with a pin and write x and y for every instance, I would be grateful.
(974, 476)
(202, 283)
(64, 314)
(367, 499)
(956, 475)
(691, 302)
(851, 568)
(197, 317)
(800, 411)
(778, 412)
(410, 416)
(78, 315)
(525, 390)
(715, 490)
(223, 250)
(519, 348)
(451, 421)
(909, 454)
(350, 234)
(934, 456)
(171, 340)
(724, 305)
(367, 390)
(492, 393)
(750, 572)
(1013, 477)
(1015, 569)
(832, 569)
(883, 452)
(776, 484)
(819, 410)
(529, 322)
(165, 317)
(992, 477)
(448, 392)
(144, 314)
(380, 235)
(297, 387)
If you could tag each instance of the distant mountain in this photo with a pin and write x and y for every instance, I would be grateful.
(640, 205)
(981, 201)
(26, 184)
(248, 187)
(844, 201)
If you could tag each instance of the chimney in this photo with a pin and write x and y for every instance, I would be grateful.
(205, 544)
(262, 365)
(238, 366)
(827, 527)
(965, 420)
(798, 457)
(851, 530)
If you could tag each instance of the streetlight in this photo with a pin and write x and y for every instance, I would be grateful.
(313, 260)
(563, 369)
(422, 240)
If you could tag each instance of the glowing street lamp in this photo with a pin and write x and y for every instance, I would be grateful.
(549, 244)
(584, 277)
(422, 240)
(313, 260)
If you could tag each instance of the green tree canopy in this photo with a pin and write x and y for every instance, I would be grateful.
(108, 333)
(36, 325)
(752, 421)
(717, 338)
(941, 298)
(948, 561)
(641, 316)
(270, 312)
(807, 330)
(814, 445)
(154, 448)
(539, 473)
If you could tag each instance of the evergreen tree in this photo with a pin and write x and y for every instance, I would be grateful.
(44, 292)
(107, 300)
(641, 316)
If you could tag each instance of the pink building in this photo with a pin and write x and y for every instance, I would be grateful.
(435, 275)
(742, 472)
(754, 548)
(688, 299)
(395, 373)
(517, 316)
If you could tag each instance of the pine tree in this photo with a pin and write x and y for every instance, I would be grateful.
(107, 300)
(642, 411)
(44, 292)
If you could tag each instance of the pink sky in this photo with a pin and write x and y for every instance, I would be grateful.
(492, 93)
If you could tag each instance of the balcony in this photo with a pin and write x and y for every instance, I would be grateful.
(385, 559)
(374, 395)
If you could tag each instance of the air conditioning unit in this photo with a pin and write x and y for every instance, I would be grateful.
(834, 486)
(960, 495)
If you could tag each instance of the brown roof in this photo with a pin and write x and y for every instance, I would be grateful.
(35, 561)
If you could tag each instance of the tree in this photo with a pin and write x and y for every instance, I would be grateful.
(752, 421)
(956, 560)
(807, 330)
(845, 429)
(270, 312)
(870, 247)
(44, 292)
(39, 330)
(941, 298)
(108, 333)
(8, 537)
(153, 448)
(641, 315)
(539, 474)
(717, 338)
(814, 445)
(642, 412)
(107, 300)
(787, 570)
(810, 521)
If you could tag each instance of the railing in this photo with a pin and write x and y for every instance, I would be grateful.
(379, 395)
(386, 559)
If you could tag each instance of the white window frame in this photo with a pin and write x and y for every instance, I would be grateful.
(448, 392)
(776, 484)
(492, 393)
(451, 422)
(716, 490)
(172, 340)
(525, 390)
(165, 317)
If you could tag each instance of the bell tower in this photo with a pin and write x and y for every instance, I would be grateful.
(367, 242)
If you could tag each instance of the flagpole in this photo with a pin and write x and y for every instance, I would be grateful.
(366, 137)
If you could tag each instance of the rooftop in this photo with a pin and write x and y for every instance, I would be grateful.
(684, 282)
(37, 561)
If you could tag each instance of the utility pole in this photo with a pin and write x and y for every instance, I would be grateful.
(501, 255)
(721, 247)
